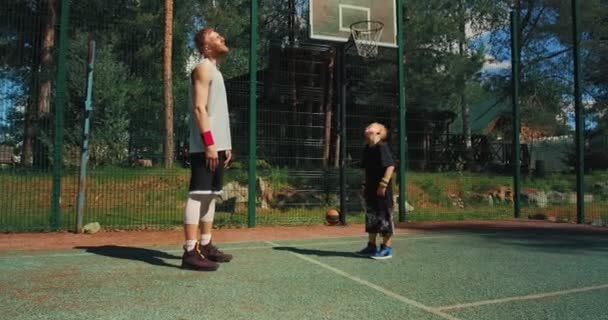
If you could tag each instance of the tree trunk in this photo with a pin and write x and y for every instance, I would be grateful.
(295, 115)
(337, 152)
(309, 113)
(28, 137)
(43, 68)
(464, 107)
(168, 84)
(46, 58)
(329, 98)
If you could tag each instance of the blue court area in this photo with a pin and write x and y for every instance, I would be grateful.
(484, 274)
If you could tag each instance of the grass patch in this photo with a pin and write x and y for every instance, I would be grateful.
(136, 198)
(455, 214)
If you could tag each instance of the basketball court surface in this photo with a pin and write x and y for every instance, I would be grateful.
(435, 273)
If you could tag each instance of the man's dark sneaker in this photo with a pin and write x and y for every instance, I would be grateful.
(213, 253)
(368, 251)
(194, 260)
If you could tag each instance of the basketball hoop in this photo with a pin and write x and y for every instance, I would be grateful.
(366, 35)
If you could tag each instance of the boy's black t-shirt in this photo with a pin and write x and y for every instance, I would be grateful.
(375, 160)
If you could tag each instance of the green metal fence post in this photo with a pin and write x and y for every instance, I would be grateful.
(579, 116)
(84, 146)
(401, 96)
(341, 80)
(59, 115)
(516, 158)
(253, 81)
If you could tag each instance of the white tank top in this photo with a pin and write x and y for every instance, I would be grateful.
(217, 109)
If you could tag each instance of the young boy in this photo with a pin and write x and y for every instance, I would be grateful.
(379, 166)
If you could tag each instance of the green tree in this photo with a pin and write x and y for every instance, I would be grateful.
(134, 30)
(110, 119)
(27, 60)
(440, 57)
(545, 47)
(594, 48)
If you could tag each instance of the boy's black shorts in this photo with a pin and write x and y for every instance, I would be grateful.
(379, 215)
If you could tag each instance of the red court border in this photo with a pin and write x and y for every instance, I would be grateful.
(66, 240)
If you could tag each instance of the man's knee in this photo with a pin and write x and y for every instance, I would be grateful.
(208, 211)
(198, 207)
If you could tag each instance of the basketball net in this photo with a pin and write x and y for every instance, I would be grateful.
(366, 35)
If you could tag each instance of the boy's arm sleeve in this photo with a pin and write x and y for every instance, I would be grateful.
(386, 156)
(363, 159)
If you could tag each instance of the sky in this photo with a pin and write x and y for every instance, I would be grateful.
(7, 88)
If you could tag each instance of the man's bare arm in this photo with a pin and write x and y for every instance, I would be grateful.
(201, 82)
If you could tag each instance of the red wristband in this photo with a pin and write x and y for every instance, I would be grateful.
(207, 138)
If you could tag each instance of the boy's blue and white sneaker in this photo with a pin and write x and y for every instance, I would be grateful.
(368, 251)
(384, 253)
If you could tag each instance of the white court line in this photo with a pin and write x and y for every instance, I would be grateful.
(359, 241)
(373, 286)
(327, 243)
(521, 298)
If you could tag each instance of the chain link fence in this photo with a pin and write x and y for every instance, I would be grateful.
(458, 97)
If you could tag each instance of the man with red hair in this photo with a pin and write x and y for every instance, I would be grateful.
(210, 152)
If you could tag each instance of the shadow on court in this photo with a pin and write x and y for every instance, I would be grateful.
(557, 238)
(321, 253)
(153, 257)
(551, 240)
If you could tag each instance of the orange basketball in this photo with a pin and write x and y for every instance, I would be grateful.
(332, 217)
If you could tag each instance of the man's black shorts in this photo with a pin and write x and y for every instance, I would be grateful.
(203, 180)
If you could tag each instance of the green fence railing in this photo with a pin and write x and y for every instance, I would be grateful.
(445, 93)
